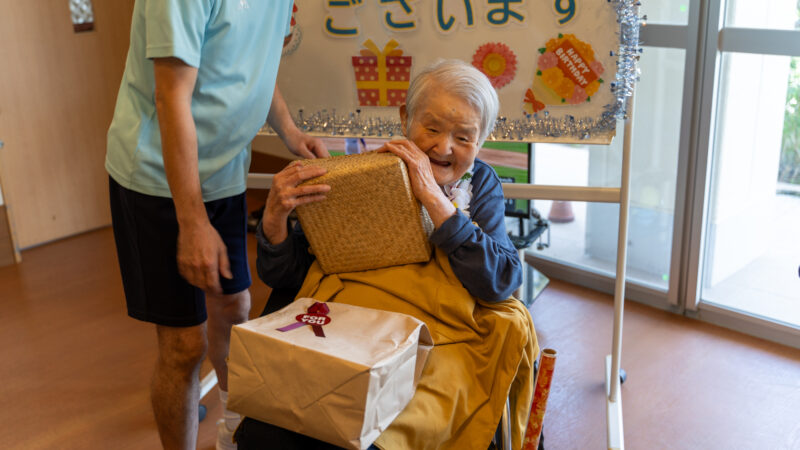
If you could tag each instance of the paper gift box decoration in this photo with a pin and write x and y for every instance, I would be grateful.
(369, 219)
(382, 76)
(344, 388)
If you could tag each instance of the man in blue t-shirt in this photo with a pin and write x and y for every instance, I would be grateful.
(199, 83)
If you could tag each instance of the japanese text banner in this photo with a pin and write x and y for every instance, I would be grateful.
(554, 63)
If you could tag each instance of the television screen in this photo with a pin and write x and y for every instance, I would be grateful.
(511, 161)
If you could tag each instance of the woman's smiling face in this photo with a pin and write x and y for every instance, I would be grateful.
(446, 128)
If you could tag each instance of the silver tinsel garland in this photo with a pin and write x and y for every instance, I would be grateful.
(530, 127)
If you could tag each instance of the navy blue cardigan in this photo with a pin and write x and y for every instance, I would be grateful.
(482, 256)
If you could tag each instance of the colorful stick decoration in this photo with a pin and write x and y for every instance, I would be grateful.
(542, 390)
(382, 76)
(317, 316)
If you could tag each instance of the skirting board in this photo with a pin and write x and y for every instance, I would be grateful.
(599, 282)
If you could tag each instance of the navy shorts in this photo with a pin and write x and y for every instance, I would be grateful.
(146, 234)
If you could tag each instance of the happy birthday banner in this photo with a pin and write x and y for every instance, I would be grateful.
(562, 68)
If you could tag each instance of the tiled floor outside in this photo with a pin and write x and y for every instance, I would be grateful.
(768, 287)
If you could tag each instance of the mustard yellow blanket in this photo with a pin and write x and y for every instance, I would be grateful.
(483, 353)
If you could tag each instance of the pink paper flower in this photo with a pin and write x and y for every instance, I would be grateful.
(578, 96)
(497, 62)
(596, 67)
(548, 60)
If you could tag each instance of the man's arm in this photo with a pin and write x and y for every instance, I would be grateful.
(298, 143)
(202, 255)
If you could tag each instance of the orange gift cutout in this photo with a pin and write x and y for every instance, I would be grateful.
(382, 76)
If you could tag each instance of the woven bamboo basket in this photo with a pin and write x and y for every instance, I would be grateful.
(370, 218)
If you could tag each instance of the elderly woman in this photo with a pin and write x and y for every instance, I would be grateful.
(484, 345)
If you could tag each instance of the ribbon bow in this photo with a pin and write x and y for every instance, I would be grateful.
(536, 105)
(316, 316)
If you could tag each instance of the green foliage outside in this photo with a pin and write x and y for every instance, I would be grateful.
(789, 171)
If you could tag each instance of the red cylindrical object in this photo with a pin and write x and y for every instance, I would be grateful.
(541, 391)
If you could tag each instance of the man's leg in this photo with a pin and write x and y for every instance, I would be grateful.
(174, 390)
(224, 311)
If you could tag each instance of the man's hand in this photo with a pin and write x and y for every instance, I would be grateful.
(202, 257)
(306, 146)
(298, 142)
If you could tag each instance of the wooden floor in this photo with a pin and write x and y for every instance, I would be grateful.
(75, 369)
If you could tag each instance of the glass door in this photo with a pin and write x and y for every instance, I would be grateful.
(747, 218)
(583, 238)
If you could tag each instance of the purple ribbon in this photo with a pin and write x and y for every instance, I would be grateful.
(316, 317)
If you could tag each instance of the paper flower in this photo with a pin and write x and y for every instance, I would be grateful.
(547, 60)
(597, 67)
(497, 62)
(461, 198)
(592, 88)
(578, 96)
(460, 191)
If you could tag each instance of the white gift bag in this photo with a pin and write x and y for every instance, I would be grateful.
(340, 376)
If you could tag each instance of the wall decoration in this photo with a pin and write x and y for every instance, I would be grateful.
(584, 42)
(531, 105)
(82, 15)
(497, 62)
(382, 76)
(565, 10)
(567, 71)
(292, 41)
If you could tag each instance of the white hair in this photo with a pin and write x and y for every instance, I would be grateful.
(462, 80)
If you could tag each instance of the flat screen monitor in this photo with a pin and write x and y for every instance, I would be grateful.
(512, 162)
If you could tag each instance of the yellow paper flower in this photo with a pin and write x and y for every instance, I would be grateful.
(494, 65)
(565, 88)
(552, 76)
(592, 88)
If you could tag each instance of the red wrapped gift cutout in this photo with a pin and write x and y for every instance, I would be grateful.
(382, 76)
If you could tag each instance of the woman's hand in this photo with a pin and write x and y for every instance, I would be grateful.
(285, 195)
(423, 183)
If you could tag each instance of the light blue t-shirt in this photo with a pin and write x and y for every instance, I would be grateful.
(236, 47)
